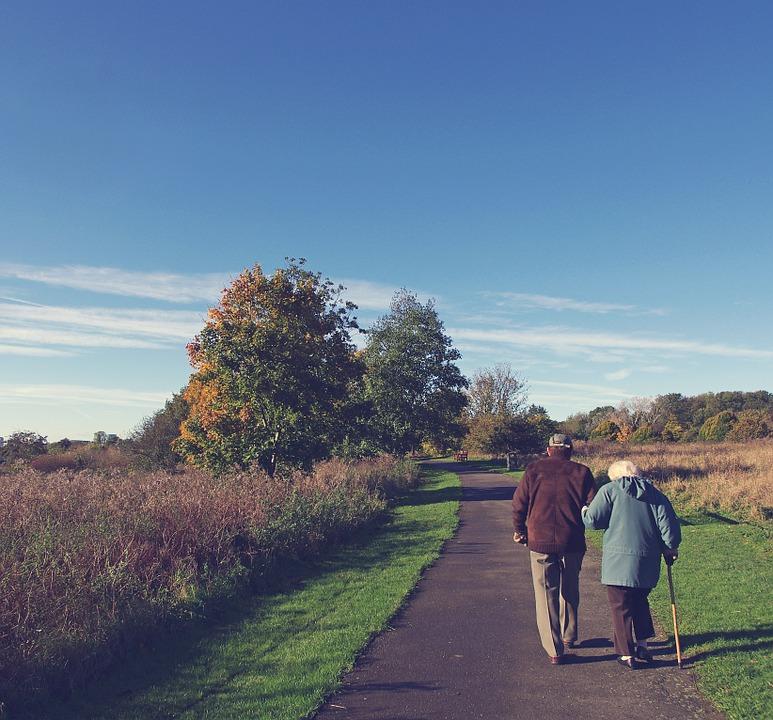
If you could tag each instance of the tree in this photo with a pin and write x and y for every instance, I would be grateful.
(575, 425)
(596, 416)
(717, 426)
(642, 434)
(151, 442)
(100, 438)
(605, 430)
(272, 367)
(750, 425)
(496, 391)
(673, 430)
(411, 378)
(23, 446)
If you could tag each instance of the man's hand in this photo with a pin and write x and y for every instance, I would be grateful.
(518, 538)
(670, 556)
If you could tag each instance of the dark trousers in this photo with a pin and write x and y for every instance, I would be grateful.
(630, 614)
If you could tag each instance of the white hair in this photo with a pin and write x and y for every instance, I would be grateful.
(623, 468)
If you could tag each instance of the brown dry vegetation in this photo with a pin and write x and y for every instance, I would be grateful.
(89, 561)
(736, 478)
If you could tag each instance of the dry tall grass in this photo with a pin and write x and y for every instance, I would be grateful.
(89, 561)
(730, 477)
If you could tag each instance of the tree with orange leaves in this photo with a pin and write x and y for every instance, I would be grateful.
(272, 369)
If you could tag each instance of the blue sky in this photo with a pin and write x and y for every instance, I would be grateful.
(585, 188)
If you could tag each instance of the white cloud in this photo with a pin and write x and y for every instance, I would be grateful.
(565, 340)
(170, 287)
(47, 336)
(549, 302)
(582, 387)
(81, 394)
(24, 350)
(34, 327)
(621, 374)
(369, 295)
(167, 324)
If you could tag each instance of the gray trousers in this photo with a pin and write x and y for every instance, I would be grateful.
(556, 581)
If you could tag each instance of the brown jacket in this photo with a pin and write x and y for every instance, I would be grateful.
(547, 504)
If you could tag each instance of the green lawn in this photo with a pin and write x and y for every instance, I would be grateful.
(278, 655)
(723, 582)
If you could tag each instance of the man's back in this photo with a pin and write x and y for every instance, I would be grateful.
(547, 504)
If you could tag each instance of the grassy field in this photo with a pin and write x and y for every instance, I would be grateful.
(276, 656)
(724, 575)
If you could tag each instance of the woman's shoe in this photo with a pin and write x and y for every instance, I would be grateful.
(629, 663)
(644, 655)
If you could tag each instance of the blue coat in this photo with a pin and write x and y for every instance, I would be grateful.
(639, 523)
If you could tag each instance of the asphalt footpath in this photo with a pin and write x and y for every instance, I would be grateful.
(466, 646)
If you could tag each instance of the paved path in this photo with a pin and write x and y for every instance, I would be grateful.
(466, 644)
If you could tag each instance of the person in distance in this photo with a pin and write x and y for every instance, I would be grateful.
(546, 518)
(640, 525)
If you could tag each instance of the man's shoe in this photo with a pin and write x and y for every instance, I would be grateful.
(561, 659)
(571, 644)
(644, 655)
(629, 663)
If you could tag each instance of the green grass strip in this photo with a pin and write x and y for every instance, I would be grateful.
(277, 656)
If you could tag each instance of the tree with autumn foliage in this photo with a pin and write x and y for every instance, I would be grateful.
(272, 369)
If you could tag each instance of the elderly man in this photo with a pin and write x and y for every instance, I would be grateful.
(546, 517)
(640, 525)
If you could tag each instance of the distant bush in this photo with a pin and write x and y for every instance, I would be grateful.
(89, 561)
(605, 430)
(84, 457)
(717, 426)
(751, 425)
(642, 434)
(23, 446)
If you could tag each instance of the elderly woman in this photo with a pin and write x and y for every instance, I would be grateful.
(640, 526)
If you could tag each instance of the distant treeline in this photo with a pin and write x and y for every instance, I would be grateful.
(674, 417)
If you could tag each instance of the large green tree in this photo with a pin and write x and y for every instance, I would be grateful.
(272, 370)
(412, 381)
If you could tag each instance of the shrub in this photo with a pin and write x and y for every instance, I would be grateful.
(605, 430)
(750, 425)
(717, 426)
(90, 561)
(642, 434)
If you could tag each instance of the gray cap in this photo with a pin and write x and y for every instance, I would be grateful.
(560, 440)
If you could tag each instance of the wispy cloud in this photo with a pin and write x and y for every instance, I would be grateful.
(33, 327)
(566, 340)
(81, 394)
(569, 396)
(26, 351)
(549, 302)
(166, 324)
(620, 374)
(170, 287)
(369, 295)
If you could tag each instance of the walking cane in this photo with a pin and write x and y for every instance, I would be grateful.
(673, 613)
